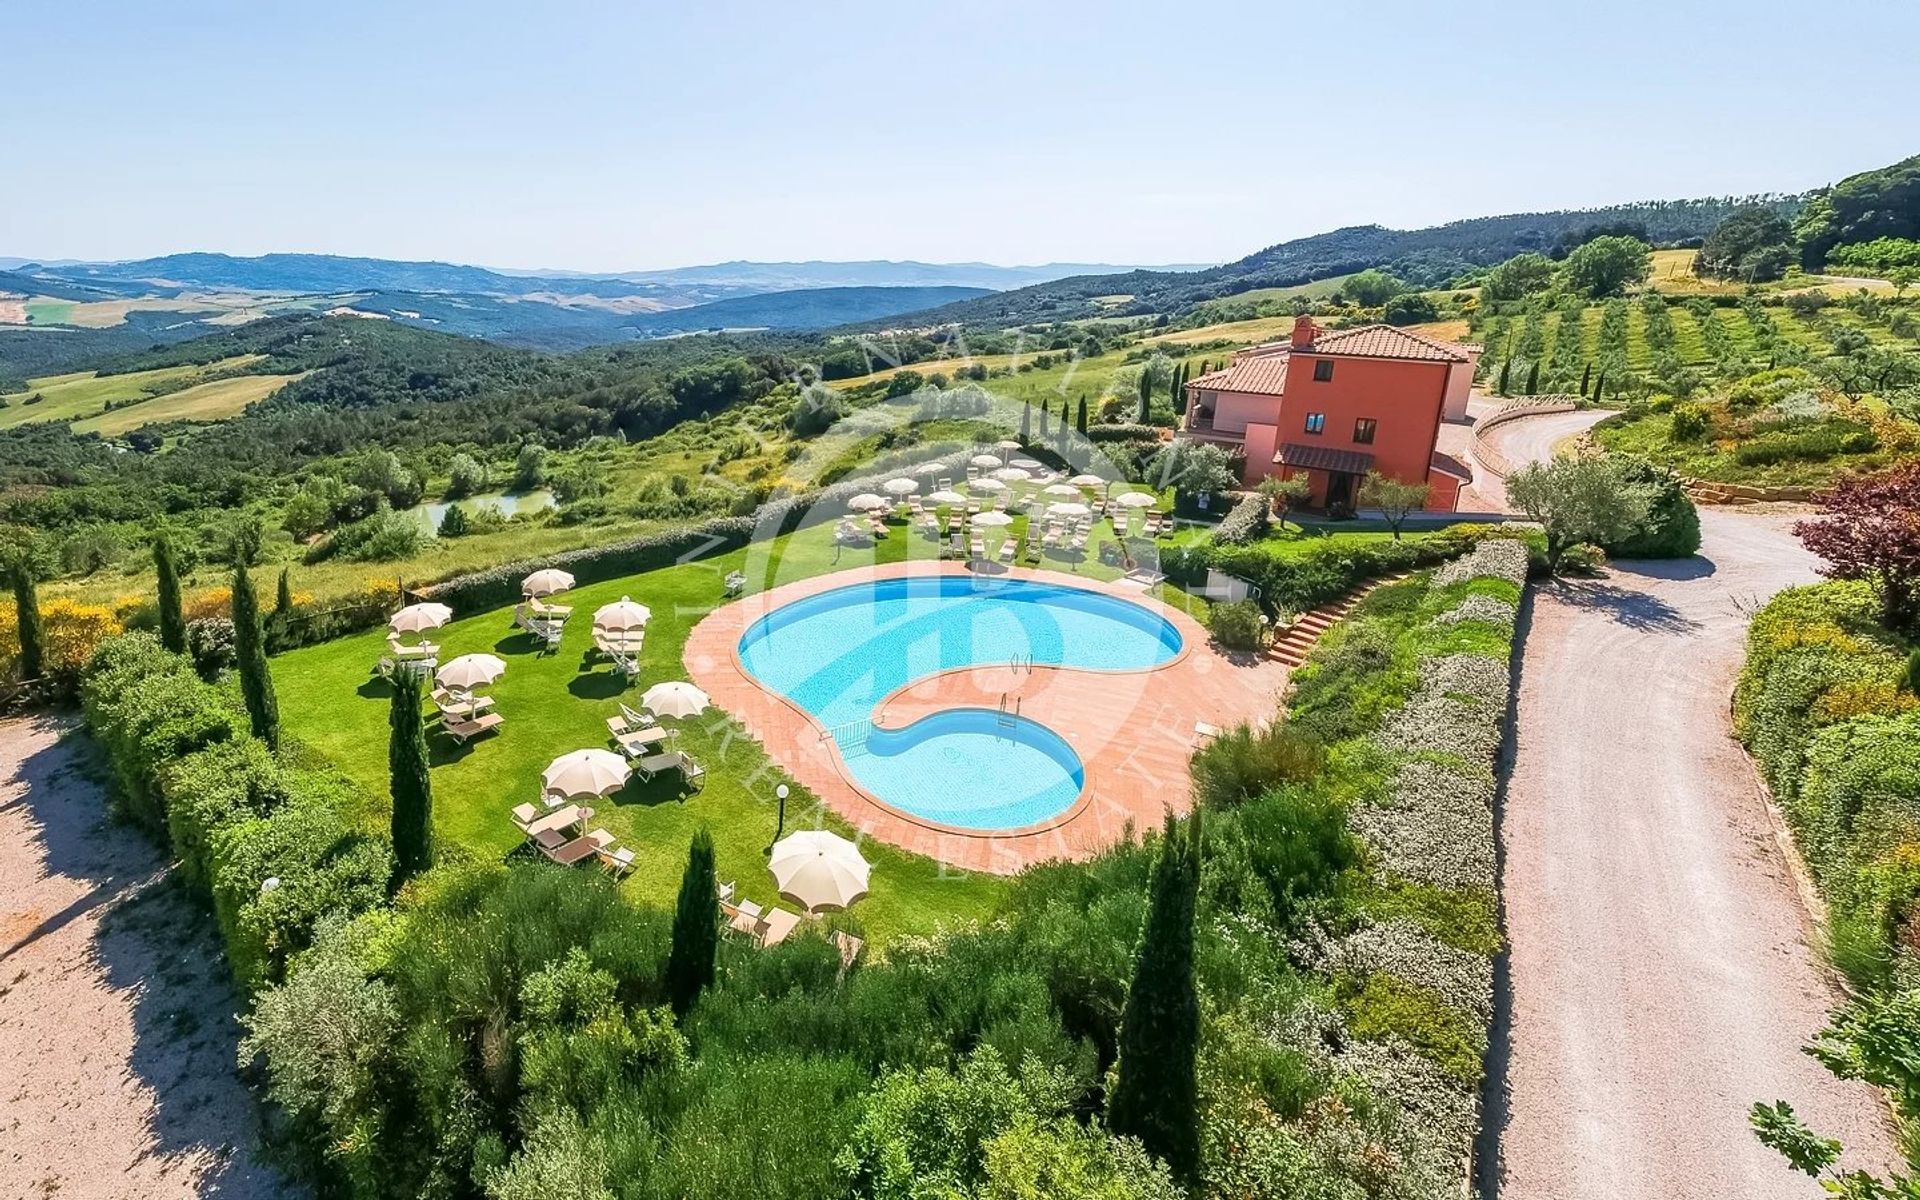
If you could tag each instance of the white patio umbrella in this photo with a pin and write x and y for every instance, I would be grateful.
(1061, 489)
(623, 614)
(988, 520)
(546, 582)
(1012, 475)
(470, 671)
(1136, 500)
(989, 484)
(947, 497)
(929, 468)
(1028, 464)
(866, 502)
(675, 698)
(816, 869)
(585, 773)
(1008, 444)
(1087, 481)
(1068, 508)
(902, 486)
(984, 461)
(418, 618)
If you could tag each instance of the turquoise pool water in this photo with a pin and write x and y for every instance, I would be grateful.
(839, 653)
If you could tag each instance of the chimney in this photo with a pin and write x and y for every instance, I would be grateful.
(1304, 332)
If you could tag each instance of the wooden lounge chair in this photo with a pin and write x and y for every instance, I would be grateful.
(734, 583)
(465, 731)
(617, 860)
(579, 849)
(627, 720)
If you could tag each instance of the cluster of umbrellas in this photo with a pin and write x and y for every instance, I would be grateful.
(585, 774)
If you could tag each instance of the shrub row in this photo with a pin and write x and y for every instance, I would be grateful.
(272, 848)
(1826, 706)
(1245, 522)
(1411, 693)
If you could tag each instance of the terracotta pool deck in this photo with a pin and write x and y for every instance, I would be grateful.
(1133, 730)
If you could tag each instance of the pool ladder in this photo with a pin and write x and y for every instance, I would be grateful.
(849, 736)
(1008, 718)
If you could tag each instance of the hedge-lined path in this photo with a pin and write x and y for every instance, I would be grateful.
(1664, 972)
(117, 1032)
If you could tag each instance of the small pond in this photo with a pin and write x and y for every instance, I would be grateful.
(504, 503)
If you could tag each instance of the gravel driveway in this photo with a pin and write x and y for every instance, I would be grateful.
(116, 1018)
(1663, 972)
(1527, 440)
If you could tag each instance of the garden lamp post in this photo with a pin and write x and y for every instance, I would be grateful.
(779, 794)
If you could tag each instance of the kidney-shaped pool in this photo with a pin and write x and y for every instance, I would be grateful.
(839, 653)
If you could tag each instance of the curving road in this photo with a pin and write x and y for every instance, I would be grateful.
(1528, 440)
(1663, 973)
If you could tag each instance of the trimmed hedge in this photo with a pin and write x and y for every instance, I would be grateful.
(1247, 521)
(235, 816)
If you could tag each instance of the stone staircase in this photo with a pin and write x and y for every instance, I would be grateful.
(1297, 640)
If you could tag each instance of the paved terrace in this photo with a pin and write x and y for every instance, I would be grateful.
(1133, 730)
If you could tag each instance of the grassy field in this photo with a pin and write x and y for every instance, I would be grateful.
(559, 702)
(201, 402)
(1673, 272)
(84, 394)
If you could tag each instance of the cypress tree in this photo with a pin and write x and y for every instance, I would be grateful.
(1506, 371)
(1026, 421)
(26, 609)
(1586, 377)
(250, 647)
(1156, 1085)
(1533, 379)
(696, 927)
(173, 617)
(1599, 386)
(1180, 391)
(412, 788)
(1046, 421)
(1144, 407)
(1080, 417)
(283, 592)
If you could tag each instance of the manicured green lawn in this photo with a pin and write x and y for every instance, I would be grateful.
(554, 703)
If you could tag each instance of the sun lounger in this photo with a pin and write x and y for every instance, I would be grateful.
(550, 612)
(627, 720)
(1205, 732)
(723, 890)
(776, 926)
(978, 548)
(635, 743)
(579, 849)
(525, 815)
(734, 583)
(465, 731)
(1007, 550)
(557, 821)
(617, 861)
(462, 708)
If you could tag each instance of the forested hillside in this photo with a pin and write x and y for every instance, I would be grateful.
(1429, 257)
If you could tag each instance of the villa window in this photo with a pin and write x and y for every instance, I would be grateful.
(1316, 422)
(1323, 372)
(1363, 430)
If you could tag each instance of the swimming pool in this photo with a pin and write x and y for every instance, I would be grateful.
(839, 653)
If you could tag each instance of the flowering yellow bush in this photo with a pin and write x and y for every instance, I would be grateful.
(72, 632)
(1863, 698)
(216, 603)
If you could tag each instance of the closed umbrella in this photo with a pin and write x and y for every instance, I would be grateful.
(866, 502)
(546, 582)
(675, 698)
(623, 614)
(984, 461)
(947, 497)
(816, 869)
(585, 773)
(470, 671)
(418, 618)
(902, 486)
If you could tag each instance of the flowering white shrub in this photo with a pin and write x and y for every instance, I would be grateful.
(1411, 953)
(1434, 826)
(1488, 609)
(1472, 675)
(1496, 558)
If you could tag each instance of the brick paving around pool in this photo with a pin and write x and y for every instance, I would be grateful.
(1133, 730)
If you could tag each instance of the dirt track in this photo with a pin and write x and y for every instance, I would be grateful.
(1664, 974)
(116, 1017)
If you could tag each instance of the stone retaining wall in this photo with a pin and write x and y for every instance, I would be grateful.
(1531, 406)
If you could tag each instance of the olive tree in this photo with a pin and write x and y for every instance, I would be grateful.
(1580, 500)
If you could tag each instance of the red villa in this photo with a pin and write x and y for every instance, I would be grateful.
(1334, 405)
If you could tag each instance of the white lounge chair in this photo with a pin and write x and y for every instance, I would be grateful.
(465, 731)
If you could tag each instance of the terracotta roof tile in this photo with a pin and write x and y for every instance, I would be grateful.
(1388, 341)
(1323, 458)
(1265, 375)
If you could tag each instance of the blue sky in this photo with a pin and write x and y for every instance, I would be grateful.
(625, 136)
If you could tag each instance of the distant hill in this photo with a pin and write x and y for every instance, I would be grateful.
(791, 276)
(1434, 252)
(808, 308)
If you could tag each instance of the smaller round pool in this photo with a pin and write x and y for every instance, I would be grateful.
(972, 768)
